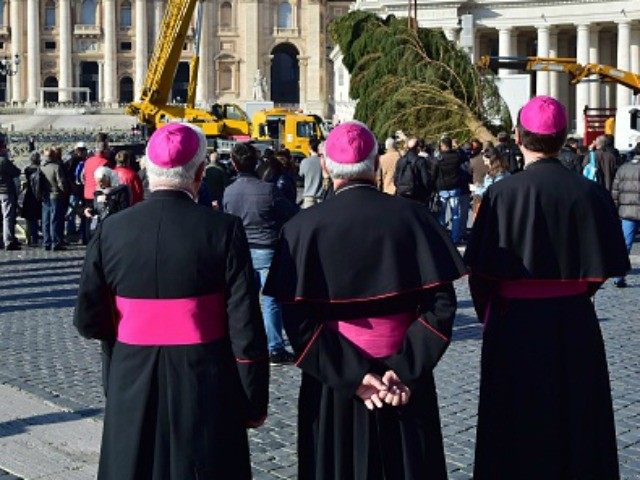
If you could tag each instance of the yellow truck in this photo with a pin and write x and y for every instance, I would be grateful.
(285, 128)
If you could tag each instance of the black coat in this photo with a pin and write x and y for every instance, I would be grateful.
(362, 254)
(176, 411)
(8, 173)
(626, 190)
(545, 406)
(31, 208)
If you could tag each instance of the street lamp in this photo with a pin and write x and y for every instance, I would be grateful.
(9, 67)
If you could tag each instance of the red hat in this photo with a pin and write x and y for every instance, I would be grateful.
(350, 142)
(175, 145)
(543, 115)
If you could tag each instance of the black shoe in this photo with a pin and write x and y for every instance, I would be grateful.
(13, 246)
(622, 283)
(281, 358)
(58, 248)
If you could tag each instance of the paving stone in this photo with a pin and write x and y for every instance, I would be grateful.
(42, 353)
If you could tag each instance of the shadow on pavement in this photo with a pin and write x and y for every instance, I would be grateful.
(21, 425)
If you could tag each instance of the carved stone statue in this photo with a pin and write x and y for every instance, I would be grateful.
(259, 84)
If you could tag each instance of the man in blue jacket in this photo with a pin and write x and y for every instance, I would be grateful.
(263, 211)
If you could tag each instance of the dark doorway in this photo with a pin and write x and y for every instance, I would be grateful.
(89, 79)
(126, 90)
(180, 83)
(50, 97)
(4, 92)
(285, 74)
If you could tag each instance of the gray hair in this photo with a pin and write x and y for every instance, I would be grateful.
(601, 141)
(353, 171)
(180, 178)
(106, 174)
(389, 144)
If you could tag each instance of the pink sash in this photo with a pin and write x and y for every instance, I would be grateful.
(171, 321)
(375, 337)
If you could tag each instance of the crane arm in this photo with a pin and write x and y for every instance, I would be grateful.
(576, 71)
(195, 60)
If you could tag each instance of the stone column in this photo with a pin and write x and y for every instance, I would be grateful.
(100, 92)
(505, 47)
(582, 89)
(623, 94)
(158, 12)
(303, 62)
(634, 52)
(66, 74)
(16, 9)
(542, 78)
(203, 88)
(142, 51)
(252, 46)
(554, 77)
(33, 52)
(109, 46)
(594, 57)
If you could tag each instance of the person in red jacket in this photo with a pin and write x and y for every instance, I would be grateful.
(128, 176)
(100, 158)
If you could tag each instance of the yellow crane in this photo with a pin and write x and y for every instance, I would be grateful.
(153, 108)
(576, 71)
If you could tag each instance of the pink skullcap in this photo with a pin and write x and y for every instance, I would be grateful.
(350, 142)
(173, 145)
(543, 115)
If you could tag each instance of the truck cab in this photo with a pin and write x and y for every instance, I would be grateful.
(286, 128)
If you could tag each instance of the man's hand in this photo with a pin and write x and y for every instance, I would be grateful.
(397, 393)
(370, 391)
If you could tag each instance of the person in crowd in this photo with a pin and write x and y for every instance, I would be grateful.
(8, 197)
(32, 207)
(497, 169)
(263, 210)
(465, 191)
(367, 334)
(55, 154)
(542, 244)
(128, 176)
(609, 146)
(215, 178)
(55, 188)
(144, 178)
(626, 196)
(187, 375)
(412, 177)
(73, 168)
(509, 152)
(327, 184)
(31, 144)
(311, 172)
(605, 160)
(110, 197)
(449, 179)
(100, 158)
(387, 167)
(570, 157)
(280, 173)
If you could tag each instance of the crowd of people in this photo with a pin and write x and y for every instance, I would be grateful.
(361, 280)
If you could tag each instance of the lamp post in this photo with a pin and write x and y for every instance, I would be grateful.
(8, 66)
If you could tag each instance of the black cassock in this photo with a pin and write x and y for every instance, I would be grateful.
(543, 242)
(363, 254)
(175, 409)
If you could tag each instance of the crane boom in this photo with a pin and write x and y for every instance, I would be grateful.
(576, 71)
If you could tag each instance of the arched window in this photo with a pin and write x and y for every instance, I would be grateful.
(285, 15)
(226, 16)
(50, 14)
(125, 14)
(88, 12)
(226, 78)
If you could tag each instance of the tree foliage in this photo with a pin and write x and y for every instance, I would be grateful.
(415, 81)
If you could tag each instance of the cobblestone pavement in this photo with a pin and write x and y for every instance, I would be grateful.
(42, 353)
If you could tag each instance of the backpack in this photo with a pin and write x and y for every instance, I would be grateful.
(407, 179)
(591, 170)
(37, 184)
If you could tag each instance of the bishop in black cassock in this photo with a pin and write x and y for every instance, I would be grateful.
(366, 283)
(542, 244)
(170, 285)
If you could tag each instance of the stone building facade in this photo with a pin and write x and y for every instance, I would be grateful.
(104, 46)
(592, 31)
